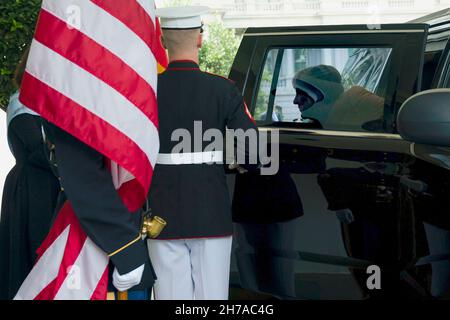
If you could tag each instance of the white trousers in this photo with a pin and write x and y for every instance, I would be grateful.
(191, 269)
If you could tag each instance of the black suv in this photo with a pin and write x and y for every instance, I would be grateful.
(357, 210)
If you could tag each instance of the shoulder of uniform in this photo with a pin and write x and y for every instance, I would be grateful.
(162, 74)
(219, 77)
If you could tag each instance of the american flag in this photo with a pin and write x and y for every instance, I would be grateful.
(92, 71)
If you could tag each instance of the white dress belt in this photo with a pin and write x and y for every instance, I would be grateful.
(190, 158)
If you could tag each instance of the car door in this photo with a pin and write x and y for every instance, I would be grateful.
(428, 185)
(334, 208)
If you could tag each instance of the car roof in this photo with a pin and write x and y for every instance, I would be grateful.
(328, 28)
(439, 31)
(433, 18)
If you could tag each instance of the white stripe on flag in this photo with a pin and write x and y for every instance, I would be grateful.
(46, 270)
(110, 33)
(120, 176)
(95, 96)
(149, 7)
(85, 274)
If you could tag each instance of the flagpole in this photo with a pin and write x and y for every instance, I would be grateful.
(122, 296)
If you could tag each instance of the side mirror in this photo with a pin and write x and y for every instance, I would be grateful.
(425, 118)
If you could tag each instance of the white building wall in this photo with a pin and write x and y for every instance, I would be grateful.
(265, 13)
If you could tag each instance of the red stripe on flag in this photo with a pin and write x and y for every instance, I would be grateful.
(131, 14)
(75, 241)
(161, 54)
(128, 195)
(60, 224)
(47, 293)
(101, 291)
(92, 130)
(97, 60)
(74, 244)
(126, 191)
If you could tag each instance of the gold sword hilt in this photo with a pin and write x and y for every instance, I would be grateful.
(153, 226)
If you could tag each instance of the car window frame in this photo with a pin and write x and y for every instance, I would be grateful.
(388, 36)
(442, 75)
(277, 72)
(275, 79)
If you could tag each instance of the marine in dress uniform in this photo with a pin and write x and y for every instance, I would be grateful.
(192, 255)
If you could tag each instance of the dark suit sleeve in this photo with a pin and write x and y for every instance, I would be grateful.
(26, 130)
(89, 188)
(238, 114)
(239, 118)
(335, 190)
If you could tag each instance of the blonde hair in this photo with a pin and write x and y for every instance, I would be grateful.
(179, 41)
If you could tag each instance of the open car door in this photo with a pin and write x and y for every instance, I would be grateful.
(335, 207)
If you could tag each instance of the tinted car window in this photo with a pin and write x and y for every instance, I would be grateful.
(330, 88)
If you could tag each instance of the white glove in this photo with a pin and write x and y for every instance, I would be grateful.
(129, 280)
(345, 216)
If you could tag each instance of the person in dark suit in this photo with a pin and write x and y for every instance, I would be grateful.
(29, 196)
(189, 190)
(86, 182)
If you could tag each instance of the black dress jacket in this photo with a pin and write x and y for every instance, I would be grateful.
(88, 186)
(194, 198)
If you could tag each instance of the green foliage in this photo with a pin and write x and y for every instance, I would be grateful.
(219, 49)
(262, 102)
(17, 22)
